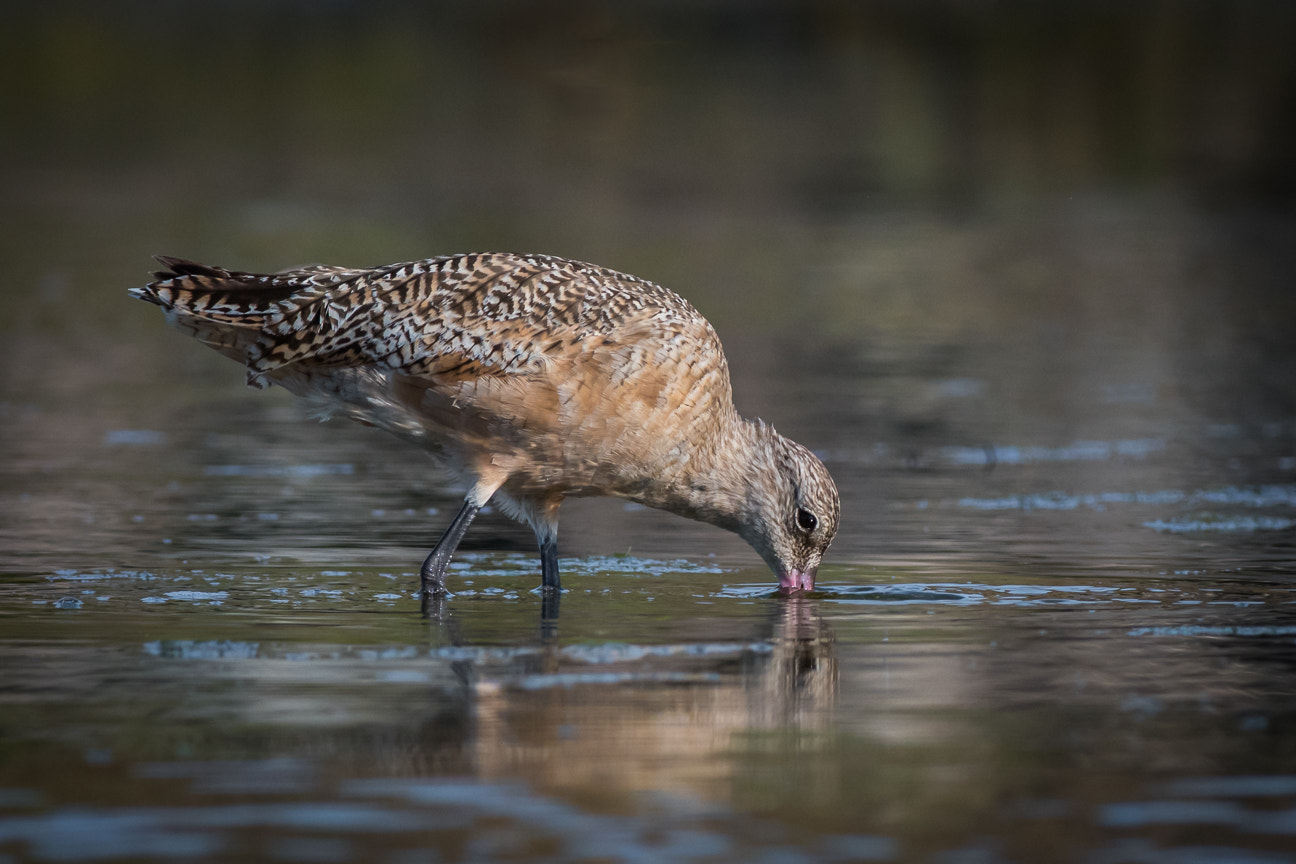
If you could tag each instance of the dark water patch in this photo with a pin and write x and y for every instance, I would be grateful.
(1234, 815)
(134, 437)
(1257, 786)
(903, 594)
(275, 776)
(612, 679)
(417, 817)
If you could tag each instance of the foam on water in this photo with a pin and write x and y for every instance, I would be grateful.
(196, 595)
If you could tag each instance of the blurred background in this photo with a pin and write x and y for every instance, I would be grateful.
(1021, 272)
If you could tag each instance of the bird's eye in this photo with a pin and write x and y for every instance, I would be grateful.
(806, 520)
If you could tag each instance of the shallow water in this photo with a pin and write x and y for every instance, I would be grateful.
(1026, 645)
(1058, 624)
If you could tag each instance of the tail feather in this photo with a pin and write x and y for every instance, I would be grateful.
(221, 308)
(189, 289)
(184, 267)
(265, 321)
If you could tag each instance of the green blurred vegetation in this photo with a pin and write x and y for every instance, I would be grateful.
(946, 172)
(501, 110)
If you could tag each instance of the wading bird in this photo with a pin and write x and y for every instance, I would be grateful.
(533, 379)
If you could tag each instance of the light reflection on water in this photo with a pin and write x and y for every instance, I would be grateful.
(740, 704)
(1006, 659)
(429, 814)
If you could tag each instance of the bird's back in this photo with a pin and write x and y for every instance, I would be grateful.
(569, 376)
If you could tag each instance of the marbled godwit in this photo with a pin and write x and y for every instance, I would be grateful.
(533, 378)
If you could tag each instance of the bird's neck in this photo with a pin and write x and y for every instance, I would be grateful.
(715, 485)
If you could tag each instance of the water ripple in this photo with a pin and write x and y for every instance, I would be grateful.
(952, 594)
(1235, 525)
(1254, 497)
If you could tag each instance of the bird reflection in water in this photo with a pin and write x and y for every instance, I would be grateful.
(641, 717)
(797, 685)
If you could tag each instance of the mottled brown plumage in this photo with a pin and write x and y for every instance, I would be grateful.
(534, 378)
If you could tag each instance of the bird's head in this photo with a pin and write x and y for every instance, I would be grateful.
(792, 509)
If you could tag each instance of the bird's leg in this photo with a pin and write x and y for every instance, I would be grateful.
(432, 576)
(550, 590)
(549, 580)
